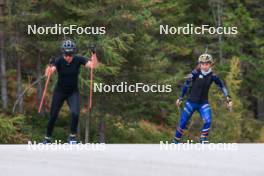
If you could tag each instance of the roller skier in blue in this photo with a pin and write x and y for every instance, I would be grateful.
(201, 79)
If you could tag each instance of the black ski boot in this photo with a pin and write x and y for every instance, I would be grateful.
(204, 140)
(46, 140)
(72, 139)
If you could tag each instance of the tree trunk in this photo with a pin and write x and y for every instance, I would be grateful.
(101, 119)
(3, 61)
(87, 126)
(217, 11)
(101, 129)
(260, 108)
(219, 23)
(39, 75)
(19, 84)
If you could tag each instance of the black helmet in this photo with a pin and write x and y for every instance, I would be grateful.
(68, 47)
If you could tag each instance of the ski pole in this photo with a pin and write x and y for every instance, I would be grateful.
(45, 90)
(94, 57)
(91, 83)
(87, 129)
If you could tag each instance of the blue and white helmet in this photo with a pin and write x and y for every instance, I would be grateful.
(68, 47)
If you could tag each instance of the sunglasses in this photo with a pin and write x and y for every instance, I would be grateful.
(68, 55)
(203, 63)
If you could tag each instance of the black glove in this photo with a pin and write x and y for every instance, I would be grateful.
(52, 61)
(93, 49)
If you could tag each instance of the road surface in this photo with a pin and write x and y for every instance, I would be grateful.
(131, 160)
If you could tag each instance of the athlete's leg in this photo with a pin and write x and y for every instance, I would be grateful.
(74, 105)
(56, 104)
(206, 115)
(186, 114)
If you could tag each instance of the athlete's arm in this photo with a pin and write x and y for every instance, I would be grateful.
(187, 83)
(220, 84)
(186, 86)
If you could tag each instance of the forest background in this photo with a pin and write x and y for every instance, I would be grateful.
(132, 50)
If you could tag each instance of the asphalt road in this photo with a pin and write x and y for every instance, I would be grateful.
(131, 159)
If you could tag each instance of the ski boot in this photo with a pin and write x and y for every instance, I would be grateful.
(72, 139)
(46, 140)
(175, 140)
(204, 140)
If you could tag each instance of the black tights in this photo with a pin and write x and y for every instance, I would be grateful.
(57, 101)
